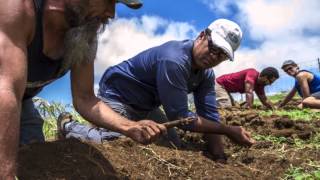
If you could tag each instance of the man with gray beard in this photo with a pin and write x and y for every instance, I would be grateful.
(40, 41)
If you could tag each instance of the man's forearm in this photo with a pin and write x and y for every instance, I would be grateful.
(9, 133)
(206, 126)
(267, 103)
(286, 100)
(98, 113)
(249, 99)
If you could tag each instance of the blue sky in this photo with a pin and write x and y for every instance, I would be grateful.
(274, 30)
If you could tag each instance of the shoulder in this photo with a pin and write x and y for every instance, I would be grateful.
(174, 67)
(175, 53)
(302, 75)
(251, 70)
(17, 18)
(176, 49)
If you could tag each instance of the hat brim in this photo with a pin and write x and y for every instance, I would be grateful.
(133, 4)
(223, 44)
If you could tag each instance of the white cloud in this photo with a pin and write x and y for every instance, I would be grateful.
(221, 6)
(124, 38)
(271, 19)
(282, 28)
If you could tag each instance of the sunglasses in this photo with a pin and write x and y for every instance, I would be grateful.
(214, 49)
(288, 69)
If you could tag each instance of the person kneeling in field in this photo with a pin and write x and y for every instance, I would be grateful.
(245, 81)
(307, 84)
(165, 75)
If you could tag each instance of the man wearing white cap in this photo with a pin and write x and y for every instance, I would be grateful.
(40, 41)
(166, 74)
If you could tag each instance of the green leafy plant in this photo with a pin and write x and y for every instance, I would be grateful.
(50, 112)
(294, 114)
(273, 139)
(298, 173)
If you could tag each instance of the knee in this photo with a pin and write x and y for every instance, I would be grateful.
(308, 101)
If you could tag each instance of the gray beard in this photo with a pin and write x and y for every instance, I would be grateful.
(80, 45)
(80, 42)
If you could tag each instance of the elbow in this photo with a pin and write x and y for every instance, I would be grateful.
(83, 102)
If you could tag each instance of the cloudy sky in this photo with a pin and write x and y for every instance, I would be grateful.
(274, 30)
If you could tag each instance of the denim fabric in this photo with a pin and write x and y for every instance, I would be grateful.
(87, 133)
(316, 95)
(84, 132)
(125, 110)
(31, 124)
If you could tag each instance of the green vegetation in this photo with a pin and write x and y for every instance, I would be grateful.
(50, 112)
(298, 173)
(313, 142)
(276, 98)
(294, 114)
(273, 139)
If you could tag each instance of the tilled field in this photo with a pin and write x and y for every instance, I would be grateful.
(281, 144)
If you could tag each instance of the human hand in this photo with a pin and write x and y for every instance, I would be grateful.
(243, 104)
(240, 136)
(271, 107)
(145, 131)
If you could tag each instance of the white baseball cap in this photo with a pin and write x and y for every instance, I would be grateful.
(226, 35)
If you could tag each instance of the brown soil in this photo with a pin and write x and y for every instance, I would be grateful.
(125, 159)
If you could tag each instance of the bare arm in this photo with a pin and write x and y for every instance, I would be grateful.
(249, 94)
(13, 73)
(288, 97)
(97, 112)
(303, 82)
(265, 101)
(235, 133)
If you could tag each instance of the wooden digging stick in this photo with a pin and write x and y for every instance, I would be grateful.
(184, 121)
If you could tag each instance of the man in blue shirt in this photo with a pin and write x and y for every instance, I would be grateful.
(307, 84)
(166, 74)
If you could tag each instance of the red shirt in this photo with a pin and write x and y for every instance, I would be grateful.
(235, 82)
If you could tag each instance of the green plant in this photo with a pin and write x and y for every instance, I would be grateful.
(294, 114)
(298, 173)
(273, 139)
(313, 142)
(50, 113)
(276, 98)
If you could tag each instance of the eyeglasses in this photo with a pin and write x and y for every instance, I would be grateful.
(288, 69)
(214, 49)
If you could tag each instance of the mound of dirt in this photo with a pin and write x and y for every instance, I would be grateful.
(68, 159)
(125, 159)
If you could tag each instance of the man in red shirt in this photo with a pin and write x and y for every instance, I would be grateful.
(246, 81)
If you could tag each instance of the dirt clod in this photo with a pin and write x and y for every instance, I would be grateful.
(283, 123)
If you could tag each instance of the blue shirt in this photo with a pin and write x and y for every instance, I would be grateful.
(162, 75)
(314, 85)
